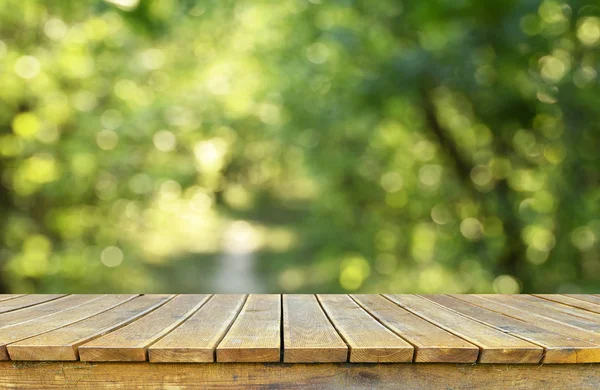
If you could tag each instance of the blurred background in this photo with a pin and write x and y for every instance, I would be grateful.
(299, 146)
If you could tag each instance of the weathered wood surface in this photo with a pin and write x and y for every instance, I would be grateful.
(586, 297)
(560, 348)
(309, 337)
(6, 297)
(62, 343)
(495, 346)
(575, 317)
(81, 375)
(20, 302)
(571, 301)
(368, 339)
(130, 342)
(34, 327)
(47, 308)
(432, 344)
(298, 329)
(196, 339)
(255, 335)
(568, 330)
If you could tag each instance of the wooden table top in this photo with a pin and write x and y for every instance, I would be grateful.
(301, 328)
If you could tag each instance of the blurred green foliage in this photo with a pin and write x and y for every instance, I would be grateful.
(300, 146)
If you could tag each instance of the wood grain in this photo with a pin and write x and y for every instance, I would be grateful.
(547, 311)
(86, 376)
(368, 339)
(20, 331)
(26, 301)
(302, 328)
(586, 297)
(432, 344)
(44, 309)
(553, 306)
(130, 343)
(567, 300)
(308, 336)
(567, 330)
(196, 339)
(558, 348)
(495, 346)
(6, 297)
(255, 335)
(62, 343)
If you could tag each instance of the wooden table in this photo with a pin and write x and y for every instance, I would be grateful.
(300, 341)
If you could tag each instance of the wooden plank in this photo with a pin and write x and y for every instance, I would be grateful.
(86, 376)
(308, 336)
(567, 330)
(432, 344)
(547, 311)
(586, 297)
(567, 300)
(196, 339)
(369, 340)
(62, 343)
(20, 331)
(26, 301)
(44, 309)
(558, 348)
(130, 343)
(6, 297)
(495, 346)
(555, 307)
(255, 334)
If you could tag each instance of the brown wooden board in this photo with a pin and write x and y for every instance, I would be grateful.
(26, 301)
(255, 335)
(548, 311)
(368, 339)
(197, 338)
(567, 330)
(495, 345)
(570, 301)
(556, 307)
(62, 343)
(131, 342)
(44, 309)
(308, 335)
(432, 344)
(143, 375)
(558, 348)
(586, 297)
(21, 331)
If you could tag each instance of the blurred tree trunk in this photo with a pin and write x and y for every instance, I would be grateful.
(514, 248)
